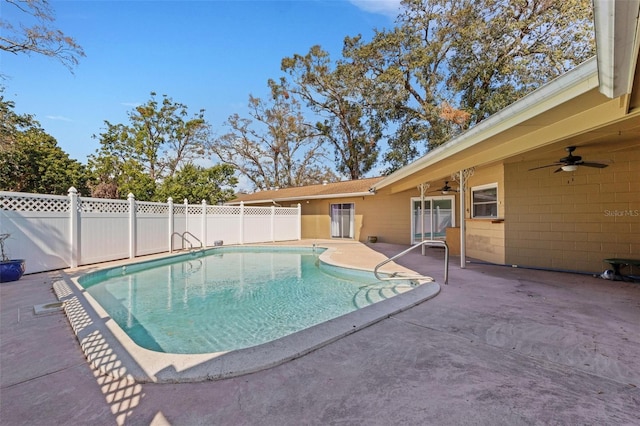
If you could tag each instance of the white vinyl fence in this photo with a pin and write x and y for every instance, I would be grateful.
(55, 232)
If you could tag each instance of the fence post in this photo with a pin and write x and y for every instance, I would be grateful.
(132, 225)
(170, 201)
(241, 233)
(186, 218)
(204, 224)
(74, 231)
(273, 223)
(299, 221)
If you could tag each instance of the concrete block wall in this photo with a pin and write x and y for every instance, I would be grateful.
(574, 220)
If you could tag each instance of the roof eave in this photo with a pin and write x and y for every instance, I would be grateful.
(303, 198)
(617, 34)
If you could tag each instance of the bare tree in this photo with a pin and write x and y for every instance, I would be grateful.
(273, 148)
(41, 37)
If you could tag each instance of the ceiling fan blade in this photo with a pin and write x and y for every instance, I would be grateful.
(598, 165)
(558, 170)
(548, 165)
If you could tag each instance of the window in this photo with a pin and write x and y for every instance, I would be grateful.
(484, 201)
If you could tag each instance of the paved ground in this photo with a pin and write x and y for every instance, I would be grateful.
(498, 346)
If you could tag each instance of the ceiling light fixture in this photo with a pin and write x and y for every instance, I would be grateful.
(570, 168)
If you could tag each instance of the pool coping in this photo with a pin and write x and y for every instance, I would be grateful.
(112, 352)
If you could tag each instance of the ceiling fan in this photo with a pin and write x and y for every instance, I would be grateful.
(445, 189)
(571, 162)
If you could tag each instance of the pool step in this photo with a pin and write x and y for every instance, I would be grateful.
(378, 292)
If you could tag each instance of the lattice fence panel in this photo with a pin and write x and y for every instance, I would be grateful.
(95, 205)
(192, 210)
(257, 211)
(286, 211)
(34, 203)
(223, 210)
(152, 208)
(178, 209)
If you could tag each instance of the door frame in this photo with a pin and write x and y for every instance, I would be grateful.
(414, 231)
(352, 216)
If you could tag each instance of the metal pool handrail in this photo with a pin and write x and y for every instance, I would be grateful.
(183, 238)
(420, 244)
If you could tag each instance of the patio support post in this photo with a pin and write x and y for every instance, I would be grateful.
(463, 176)
(132, 225)
(423, 189)
(463, 219)
(170, 201)
(74, 231)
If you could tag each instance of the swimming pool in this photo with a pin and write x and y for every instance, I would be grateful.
(114, 353)
(231, 298)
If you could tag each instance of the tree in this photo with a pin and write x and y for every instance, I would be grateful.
(335, 94)
(41, 38)
(274, 147)
(31, 160)
(196, 183)
(449, 64)
(159, 140)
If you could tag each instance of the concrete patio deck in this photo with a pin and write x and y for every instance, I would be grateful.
(497, 346)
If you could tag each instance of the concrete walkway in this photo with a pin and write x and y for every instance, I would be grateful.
(497, 346)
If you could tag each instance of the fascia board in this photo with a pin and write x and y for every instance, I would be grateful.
(306, 197)
(616, 33)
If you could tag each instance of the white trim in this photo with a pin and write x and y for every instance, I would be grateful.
(480, 188)
(617, 32)
(452, 198)
(303, 197)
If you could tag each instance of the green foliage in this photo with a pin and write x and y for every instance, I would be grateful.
(196, 183)
(31, 160)
(137, 158)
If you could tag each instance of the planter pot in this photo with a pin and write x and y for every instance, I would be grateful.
(11, 270)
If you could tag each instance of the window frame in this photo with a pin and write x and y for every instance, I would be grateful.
(478, 188)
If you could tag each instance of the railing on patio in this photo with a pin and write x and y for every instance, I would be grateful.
(398, 276)
(56, 232)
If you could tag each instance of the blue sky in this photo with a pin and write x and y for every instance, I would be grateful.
(205, 54)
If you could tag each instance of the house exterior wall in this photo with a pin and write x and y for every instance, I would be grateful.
(485, 238)
(384, 215)
(574, 220)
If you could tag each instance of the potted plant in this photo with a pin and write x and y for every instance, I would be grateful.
(10, 269)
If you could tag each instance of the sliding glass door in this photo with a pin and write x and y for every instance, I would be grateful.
(342, 217)
(438, 216)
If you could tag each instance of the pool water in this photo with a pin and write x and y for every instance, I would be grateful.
(230, 298)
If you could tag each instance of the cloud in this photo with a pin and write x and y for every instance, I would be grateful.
(58, 118)
(383, 7)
